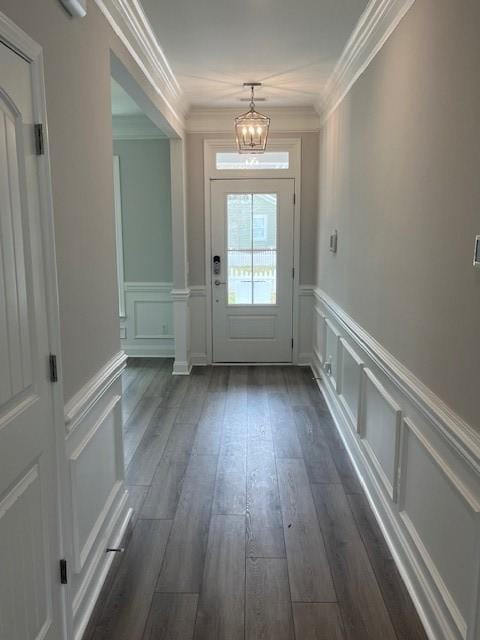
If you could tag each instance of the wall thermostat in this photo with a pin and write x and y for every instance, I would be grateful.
(476, 253)
(333, 241)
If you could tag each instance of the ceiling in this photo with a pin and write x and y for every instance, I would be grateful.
(291, 46)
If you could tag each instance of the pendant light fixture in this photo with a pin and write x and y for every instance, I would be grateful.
(251, 128)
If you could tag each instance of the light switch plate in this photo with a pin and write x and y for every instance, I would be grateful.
(476, 253)
(334, 241)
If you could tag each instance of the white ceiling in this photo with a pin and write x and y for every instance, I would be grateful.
(291, 46)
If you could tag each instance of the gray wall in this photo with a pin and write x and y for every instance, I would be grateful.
(196, 200)
(146, 209)
(400, 180)
(77, 75)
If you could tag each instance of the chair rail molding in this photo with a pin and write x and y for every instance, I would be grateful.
(376, 24)
(418, 462)
(128, 20)
(79, 405)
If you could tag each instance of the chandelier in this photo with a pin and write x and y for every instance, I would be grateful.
(251, 128)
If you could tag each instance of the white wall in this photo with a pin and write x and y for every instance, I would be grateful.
(400, 182)
(396, 331)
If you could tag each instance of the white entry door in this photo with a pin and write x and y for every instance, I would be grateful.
(29, 536)
(252, 269)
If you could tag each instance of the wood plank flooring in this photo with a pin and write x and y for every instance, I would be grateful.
(249, 522)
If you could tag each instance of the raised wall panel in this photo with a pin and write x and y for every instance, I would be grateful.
(380, 428)
(96, 476)
(332, 338)
(319, 335)
(152, 319)
(421, 474)
(443, 518)
(24, 606)
(305, 325)
(350, 381)
(148, 326)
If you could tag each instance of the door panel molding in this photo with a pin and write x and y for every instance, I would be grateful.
(42, 233)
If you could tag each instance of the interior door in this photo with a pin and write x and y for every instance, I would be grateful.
(29, 538)
(252, 269)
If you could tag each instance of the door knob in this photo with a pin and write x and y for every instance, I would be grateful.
(218, 283)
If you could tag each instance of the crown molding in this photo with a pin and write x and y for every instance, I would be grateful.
(283, 119)
(376, 24)
(129, 22)
(135, 127)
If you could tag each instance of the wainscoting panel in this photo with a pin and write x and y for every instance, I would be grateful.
(380, 429)
(350, 380)
(147, 329)
(332, 349)
(444, 510)
(419, 464)
(98, 513)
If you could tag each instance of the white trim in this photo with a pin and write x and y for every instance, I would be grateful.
(81, 553)
(79, 405)
(98, 570)
(210, 148)
(129, 22)
(117, 196)
(376, 24)
(450, 425)
(30, 50)
(283, 119)
(163, 287)
(135, 127)
(391, 487)
(447, 603)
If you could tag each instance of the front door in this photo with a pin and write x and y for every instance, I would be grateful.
(29, 536)
(252, 269)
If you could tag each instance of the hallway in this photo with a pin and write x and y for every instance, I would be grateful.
(248, 521)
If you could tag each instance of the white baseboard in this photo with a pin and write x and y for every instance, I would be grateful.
(418, 464)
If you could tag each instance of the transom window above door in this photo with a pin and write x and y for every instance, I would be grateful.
(252, 248)
(270, 160)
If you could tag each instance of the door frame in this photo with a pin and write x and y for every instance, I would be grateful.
(21, 43)
(210, 148)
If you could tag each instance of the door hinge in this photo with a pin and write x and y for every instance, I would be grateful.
(292, 343)
(294, 197)
(63, 571)
(39, 141)
(52, 361)
(293, 273)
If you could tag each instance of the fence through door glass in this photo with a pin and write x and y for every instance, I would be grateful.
(252, 248)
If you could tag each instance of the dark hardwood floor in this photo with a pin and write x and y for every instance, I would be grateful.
(249, 522)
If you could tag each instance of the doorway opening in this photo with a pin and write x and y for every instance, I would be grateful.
(252, 212)
(143, 224)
